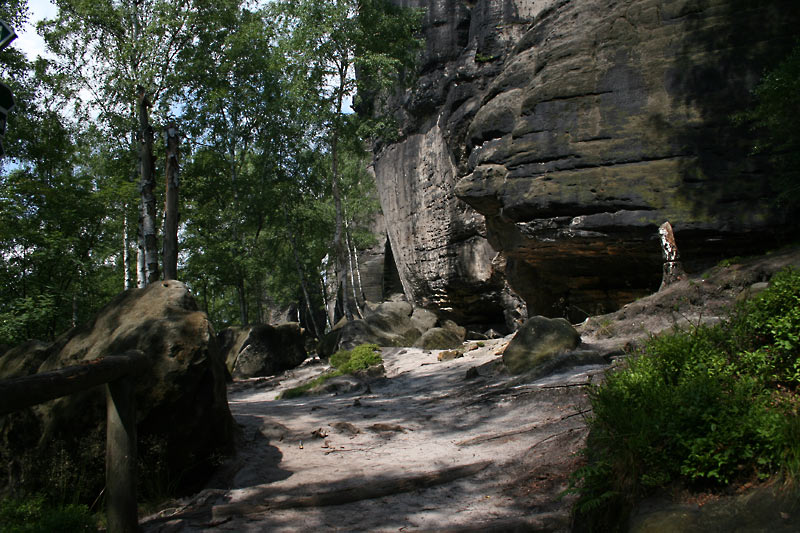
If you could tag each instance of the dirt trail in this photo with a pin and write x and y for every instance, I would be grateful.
(424, 448)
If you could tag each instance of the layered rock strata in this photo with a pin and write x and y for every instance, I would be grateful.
(577, 128)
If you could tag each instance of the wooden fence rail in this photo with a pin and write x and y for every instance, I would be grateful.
(117, 372)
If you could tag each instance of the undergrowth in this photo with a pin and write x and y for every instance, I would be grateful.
(343, 362)
(35, 515)
(702, 407)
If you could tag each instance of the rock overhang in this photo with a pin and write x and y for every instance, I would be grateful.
(576, 128)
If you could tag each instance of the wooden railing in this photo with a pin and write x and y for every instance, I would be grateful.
(117, 372)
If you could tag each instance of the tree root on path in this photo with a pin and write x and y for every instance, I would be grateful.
(528, 429)
(367, 490)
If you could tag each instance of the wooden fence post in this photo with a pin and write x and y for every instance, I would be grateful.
(121, 456)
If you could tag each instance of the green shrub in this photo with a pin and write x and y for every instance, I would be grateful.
(34, 515)
(344, 362)
(359, 358)
(765, 331)
(703, 407)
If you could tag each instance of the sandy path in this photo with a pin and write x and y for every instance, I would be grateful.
(424, 449)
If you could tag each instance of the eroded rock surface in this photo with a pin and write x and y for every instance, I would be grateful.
(577, 128)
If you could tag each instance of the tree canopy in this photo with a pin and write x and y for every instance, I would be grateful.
(274, 193)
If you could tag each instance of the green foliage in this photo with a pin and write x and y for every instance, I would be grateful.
(777, 134)
(766, 331)
(344, 362)
(705, 407)
(256, 127)
(359, 358)
(35, 515)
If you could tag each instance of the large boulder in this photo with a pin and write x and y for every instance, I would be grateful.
(448, 336)
(538, 342)
(263, 350)
(393, 323)
(183, 421)
(439, 339)
(388, 325)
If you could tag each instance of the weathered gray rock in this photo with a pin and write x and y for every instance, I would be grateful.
(577, 128)
(263, 350)
(183, 419)
(388, 325)
(538, 342)
(439, 339)
(23, 360)
(424, 319)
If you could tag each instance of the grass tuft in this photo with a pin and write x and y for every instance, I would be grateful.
(344, 362)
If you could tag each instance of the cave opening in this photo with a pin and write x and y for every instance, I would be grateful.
(391, 276)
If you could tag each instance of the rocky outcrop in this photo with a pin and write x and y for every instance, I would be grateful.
(184, 424)
(263, 350)
(388, 324)
(443, 258)
(577, 128)
(394, 323)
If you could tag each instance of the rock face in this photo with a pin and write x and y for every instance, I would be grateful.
(577, 128)
(263, 350)
(182, 409)
(538, 342)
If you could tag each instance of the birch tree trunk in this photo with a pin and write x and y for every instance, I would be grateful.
(352, 269)
(147, 185)
(171, 215)
(141, 270)
(126, 253)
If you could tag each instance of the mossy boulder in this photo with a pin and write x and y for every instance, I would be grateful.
(538, 342)
(183, 420)
(389, 324)
(449, 335)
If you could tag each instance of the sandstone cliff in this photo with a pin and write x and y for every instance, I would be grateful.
(576, 128)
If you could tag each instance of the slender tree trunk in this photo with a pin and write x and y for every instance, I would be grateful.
(126, 253)
(74, 310)
(141, 269)
(352, 274)
(300, 273)
(242, 296)
(147, 186)
(171, 215)
(358, 286)
(338, 241)
(328, 292)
